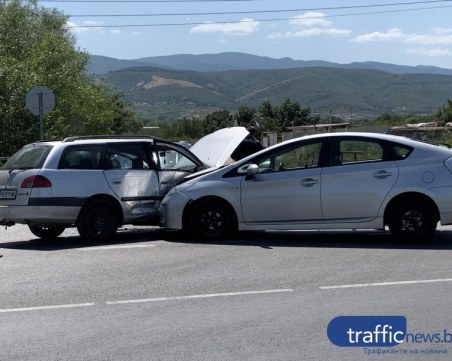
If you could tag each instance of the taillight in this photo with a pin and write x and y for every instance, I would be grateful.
(36, 181)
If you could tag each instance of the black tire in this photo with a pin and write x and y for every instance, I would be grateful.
(212, 218)
(46, 232)
(98, 221)
(412, 220)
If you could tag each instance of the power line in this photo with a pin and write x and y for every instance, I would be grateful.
(140, 1)
(201, 1)
(253, 11)
(264, 20)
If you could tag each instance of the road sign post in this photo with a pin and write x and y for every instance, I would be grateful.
(40, 100)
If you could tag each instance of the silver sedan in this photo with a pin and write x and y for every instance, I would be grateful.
(328, 181)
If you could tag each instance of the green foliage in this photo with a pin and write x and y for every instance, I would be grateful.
(184, 129)
(277, 119)
(290, 113)
(402, 119)
(269, 117)
(36, 48)
(245, 116)
(390, 119)
(217, 120)
(365, 93)
(444, 115)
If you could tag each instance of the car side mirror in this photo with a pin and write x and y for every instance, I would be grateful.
(251, 171)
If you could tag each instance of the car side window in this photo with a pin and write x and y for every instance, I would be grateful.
(400, 151)
(295, 157)
(306, 156)
(127, 156)
(81, 157)
(358, 151)
(171, 159)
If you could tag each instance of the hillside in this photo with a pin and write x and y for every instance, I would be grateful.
(241, 61)
(160, 93)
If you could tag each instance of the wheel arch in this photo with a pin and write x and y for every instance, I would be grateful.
(410, 196)
(108, 198)
(191, 205)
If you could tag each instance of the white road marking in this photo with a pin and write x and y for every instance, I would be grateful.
(39, 308)
(160, 299)
(101, 248)
(191, 297)
(357, 285)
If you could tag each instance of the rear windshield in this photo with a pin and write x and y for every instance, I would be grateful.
(29, 157)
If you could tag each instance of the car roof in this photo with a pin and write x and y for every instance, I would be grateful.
(377, 136)
(98, 140)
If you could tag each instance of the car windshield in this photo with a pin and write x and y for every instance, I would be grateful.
(29, 157)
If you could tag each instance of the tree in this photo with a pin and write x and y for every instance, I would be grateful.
(217, 120)
(245, 116)
(276, 119)
(290, 114)
(266, 115)
(444, 115)
(36, 48)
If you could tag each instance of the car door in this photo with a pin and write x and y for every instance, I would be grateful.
(173, 163)
(133, 177)
(286, 188)
(357, 182)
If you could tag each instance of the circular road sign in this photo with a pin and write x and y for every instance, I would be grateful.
(40, 100)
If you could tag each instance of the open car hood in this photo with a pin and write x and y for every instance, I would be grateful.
(215, 148)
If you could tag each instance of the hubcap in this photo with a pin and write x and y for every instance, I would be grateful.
(100, 222)
(211, 221)
(412, 220)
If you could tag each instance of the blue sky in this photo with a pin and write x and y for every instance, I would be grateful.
(400, 32)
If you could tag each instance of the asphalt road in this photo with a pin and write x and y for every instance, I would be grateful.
(153, 295)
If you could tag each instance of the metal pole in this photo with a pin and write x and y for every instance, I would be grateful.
(41, 115)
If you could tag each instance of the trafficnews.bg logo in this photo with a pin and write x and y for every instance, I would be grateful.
(367, 331)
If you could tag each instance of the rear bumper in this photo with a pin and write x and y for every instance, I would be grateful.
(38, 214)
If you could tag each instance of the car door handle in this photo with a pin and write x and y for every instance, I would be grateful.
(381, 174)
(308, 182)
(116, 182)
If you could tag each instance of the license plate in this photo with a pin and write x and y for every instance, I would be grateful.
(7, 194)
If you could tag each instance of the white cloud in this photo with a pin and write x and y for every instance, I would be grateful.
(115, 31)
(75, 28)
(242, 28)
(437, 36)
(442, 31)
(311, 19)
(308, 33)
(308, 25)
(428, 42)
(433, 53)
(390, 35)
(85, 26)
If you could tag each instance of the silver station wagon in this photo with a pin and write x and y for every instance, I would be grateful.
(328, 181)
(96, 184)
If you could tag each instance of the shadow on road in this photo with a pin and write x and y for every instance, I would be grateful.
(442, 240)
(73, 240)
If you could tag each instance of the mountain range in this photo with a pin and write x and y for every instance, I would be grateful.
(176, 86)
(241, 61)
